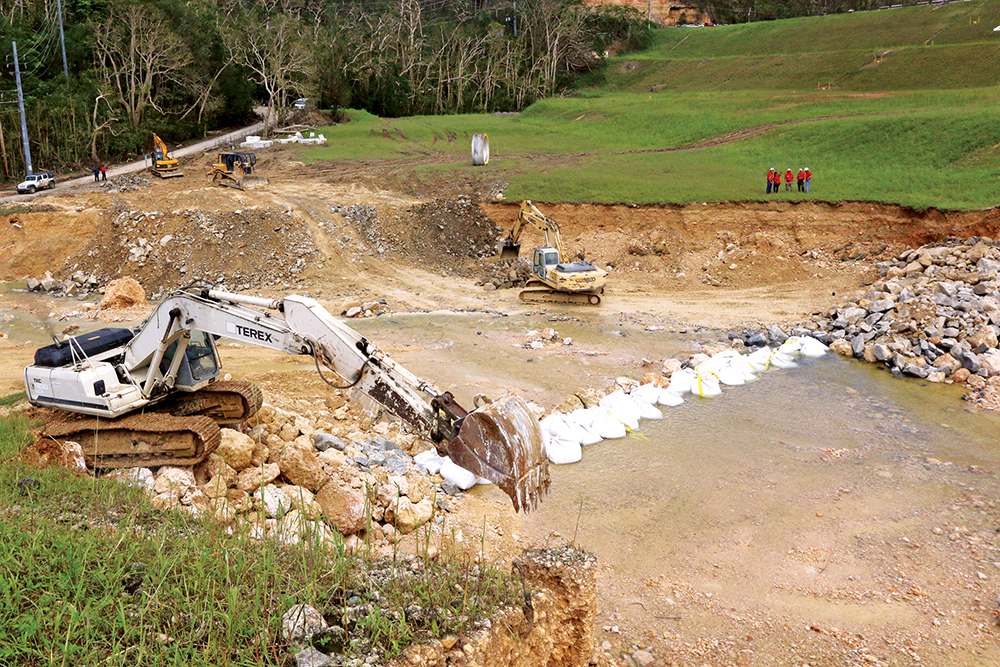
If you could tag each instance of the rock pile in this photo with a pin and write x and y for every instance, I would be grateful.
(539, 340)
(291, 479)
(79, 284)
(934, 315)
(239, 250)
(356, 308)
(125, 183)
(505, 274)
(446, 230)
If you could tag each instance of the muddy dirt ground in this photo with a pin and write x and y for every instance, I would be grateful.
(348, 234)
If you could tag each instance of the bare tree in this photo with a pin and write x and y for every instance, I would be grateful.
(135, 52)
(274, 51)
(97, 127)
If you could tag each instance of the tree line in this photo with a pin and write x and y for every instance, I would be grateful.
(746, 11)
(181, 68)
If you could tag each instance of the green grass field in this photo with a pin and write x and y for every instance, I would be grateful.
(919, 128)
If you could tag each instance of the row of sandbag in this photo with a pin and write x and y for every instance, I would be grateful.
(618, 413)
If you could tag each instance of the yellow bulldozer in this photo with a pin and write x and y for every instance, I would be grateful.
(553, 277)
(236, 170)
(164, 166)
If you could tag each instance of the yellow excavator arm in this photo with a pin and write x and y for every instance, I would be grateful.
(530, 216)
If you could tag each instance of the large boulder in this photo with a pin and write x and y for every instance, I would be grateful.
(236, 449)
(301, 467)
(343, 506)
(251, 479)
(406, 516)
(173, 480)
(123, 293)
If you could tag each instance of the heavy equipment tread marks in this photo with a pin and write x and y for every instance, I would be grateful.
(147, 439)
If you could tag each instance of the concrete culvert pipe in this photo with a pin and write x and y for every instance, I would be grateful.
(480, 149)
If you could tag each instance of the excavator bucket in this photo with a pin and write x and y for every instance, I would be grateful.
(508, 249)
(502, 442)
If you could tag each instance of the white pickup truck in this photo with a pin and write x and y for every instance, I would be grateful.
(37, 181)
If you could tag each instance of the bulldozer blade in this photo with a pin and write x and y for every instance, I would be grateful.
(253, 181)
(502, 442)
(509, 250)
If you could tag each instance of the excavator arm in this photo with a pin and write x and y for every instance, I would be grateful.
(530, 216)
(500, 441)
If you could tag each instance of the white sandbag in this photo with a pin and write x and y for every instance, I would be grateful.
(584, 416)
(623, 408)
(760, 360)
(429, 460)
(460, 477)
(725, 355)
(562, 452)
(648, 393)
(607, 426)
(648, 410)
(559, 429)
(592, 437)
(681, 381)
(583, 421)
(742, 365)
(669, 398)
(723, 372)
(782, 361)
(812, 347)
(790, 347)
(706, 385)
(575, 431)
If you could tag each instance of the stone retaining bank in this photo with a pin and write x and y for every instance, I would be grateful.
(934, 314)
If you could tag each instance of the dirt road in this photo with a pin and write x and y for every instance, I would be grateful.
(349, 234)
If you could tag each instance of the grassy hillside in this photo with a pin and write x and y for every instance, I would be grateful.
(705, 112)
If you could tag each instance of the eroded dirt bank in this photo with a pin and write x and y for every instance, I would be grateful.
(690, 268)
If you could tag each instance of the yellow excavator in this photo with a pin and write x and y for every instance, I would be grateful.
(164, 166)
(236, 170)
(553, 277)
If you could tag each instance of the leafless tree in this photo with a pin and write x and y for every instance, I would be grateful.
(135, 52)
(274, 51)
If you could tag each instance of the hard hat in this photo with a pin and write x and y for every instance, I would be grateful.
(772, 168)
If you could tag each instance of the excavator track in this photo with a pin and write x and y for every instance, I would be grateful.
(547, 295)
(148, 439)
(227, 403)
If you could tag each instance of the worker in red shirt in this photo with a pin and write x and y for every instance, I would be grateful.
(789, 177)
(800, 180)
(770, 180)
(809, 177)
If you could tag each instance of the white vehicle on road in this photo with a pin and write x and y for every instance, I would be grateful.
(34, 182)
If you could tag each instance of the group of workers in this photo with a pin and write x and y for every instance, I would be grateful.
(802, 179)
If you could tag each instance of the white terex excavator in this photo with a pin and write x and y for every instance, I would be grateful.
(152, 395)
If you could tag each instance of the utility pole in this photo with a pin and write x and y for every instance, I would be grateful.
(20, 104)
(515, 19)
(62, 38)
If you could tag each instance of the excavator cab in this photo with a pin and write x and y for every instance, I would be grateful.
(544, 258)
